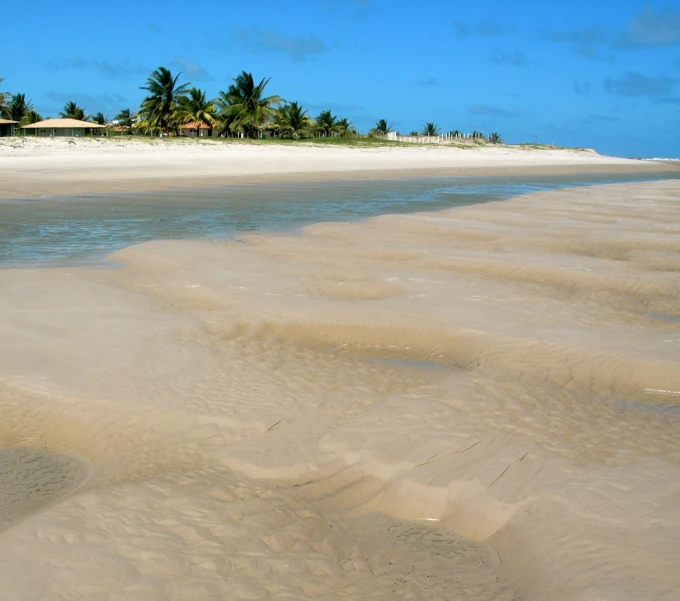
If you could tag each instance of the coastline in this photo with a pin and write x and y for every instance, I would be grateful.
(55, 167)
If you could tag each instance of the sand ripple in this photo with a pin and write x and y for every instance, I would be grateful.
(475, 404)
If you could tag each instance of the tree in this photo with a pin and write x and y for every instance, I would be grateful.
(293, 121)
(477, 135)
(197, 109)
(455, 133)
(346, 128)
(245, 107)
(159, 107)
(100, 119)
(5, 97)
(17, 108)
(430, 129)
(382, 128)
(31, 116)
(72, 111)
(326, 123)
(495, 138)
(125, 118)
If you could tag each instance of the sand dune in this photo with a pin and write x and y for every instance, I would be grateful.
(481, 403)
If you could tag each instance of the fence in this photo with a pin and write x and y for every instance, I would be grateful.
(441, 139)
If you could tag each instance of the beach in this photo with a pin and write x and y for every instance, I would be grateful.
(474, 403)
(62, 166)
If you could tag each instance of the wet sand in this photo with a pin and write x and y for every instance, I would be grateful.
(480, 403)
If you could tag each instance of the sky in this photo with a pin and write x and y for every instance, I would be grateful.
(601, 74)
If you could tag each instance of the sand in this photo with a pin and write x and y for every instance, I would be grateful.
(62, 166)
(481, 403)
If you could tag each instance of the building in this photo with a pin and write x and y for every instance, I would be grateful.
(62, 127)
(192, 130)
(7, 127)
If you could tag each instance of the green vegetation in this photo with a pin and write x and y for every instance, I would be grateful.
(31, 116)
(99, 119)
(72, 111)
(430, 129)
(5, 97)
(194, 108)
(244, 111)
(125, 119)
(245, 107)
(159, 108)
(381, 128)
(326, 124)
(293, 122)
(18, 109)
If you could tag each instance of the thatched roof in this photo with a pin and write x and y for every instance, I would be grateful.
(192, 125)
(63, 124)
(8, 122)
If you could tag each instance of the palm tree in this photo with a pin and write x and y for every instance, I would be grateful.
(4, 98)
(346, 128)
(158, 109)
(293, 121)
(430, 129)
(477, 135)
(326, 123)
(31, 116)
(72, 111)
(495, 138)
(382, 128)
(100, 118)
(125, 118)
(245, 106)
(17, 108)
(195, 108)
(456, 133)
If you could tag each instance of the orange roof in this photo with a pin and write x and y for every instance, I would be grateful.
(7, 122)
(192, 125)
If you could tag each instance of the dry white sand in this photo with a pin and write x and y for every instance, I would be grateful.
(48, 166)
(475, 404)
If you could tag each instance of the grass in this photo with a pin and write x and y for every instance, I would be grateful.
(546, 146)
(333, 142)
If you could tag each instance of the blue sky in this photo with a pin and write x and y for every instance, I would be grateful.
(602, 74)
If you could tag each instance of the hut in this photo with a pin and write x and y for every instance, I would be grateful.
(61, 127)
(193, 130)
(7, 127)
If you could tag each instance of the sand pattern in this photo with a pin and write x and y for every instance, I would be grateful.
(480, 403)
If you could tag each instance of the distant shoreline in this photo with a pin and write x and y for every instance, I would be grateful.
(66, 166)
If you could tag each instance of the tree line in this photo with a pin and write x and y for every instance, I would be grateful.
(243, 110)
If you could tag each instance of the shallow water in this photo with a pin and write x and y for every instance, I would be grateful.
(84, 229)
(34, 478)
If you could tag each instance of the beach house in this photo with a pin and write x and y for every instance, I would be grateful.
(7, 127)
(191, 129)
(61, 127)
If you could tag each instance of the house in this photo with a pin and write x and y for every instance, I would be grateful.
(7, 127)
(61, 127)
(192, 130)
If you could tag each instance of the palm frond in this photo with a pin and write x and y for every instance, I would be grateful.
(430, 129)
(245, 106)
